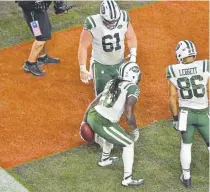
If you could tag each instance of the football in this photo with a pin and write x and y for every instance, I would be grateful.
(86, 132)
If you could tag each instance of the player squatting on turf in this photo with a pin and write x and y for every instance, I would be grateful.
(103, 114)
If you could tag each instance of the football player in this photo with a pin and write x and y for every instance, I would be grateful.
(106, 32)
(119, 96)
(190, 79)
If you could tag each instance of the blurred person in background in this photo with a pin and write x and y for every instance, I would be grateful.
(36, 16)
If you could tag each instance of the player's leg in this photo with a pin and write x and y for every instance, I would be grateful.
(31, 64)
(97, 122)
(114, 70)
(101, 76)
(46, 28)
(115, 134)
(203, 127)
(185, 151)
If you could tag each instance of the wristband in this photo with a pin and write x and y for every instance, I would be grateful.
(133, 51)
(83, 68)
(176, 118)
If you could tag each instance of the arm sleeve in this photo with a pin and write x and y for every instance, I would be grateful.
(133, 90)
(208, 68)
(168, 73)
(89, 23)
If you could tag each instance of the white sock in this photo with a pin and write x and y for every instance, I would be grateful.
(128, 158)
(185, 158)
(107, 147)
(99, 140)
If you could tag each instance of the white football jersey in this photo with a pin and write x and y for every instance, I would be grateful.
(112, 109)
(191, 81)
(108, 45)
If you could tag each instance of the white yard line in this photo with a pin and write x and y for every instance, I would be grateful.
(9, 183)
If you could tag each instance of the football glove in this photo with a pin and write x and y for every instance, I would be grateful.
(135, 134)
(175, 125)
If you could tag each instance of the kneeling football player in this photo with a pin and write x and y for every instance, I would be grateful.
(119, 96)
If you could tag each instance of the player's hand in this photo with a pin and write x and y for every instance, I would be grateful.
(175, 125)
(132, 58)
(135, 134)
(85, 75)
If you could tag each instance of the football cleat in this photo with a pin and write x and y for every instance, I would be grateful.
(129, 182)
(186, 182)
(108, 161)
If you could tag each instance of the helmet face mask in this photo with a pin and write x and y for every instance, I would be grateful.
(130, 72)
(110, 13)
(185, 49)
(110, 24)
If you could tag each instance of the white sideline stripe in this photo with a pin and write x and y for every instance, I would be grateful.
(121, 135)
(9, 184)
(116, 138)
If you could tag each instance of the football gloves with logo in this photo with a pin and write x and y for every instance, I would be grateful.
(135, 134)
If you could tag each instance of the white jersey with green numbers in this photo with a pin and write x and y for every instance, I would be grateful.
(112, 109)
(108, 45)
(191, 81)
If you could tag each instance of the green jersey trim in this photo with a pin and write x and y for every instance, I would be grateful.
(204, 65)
(172, 70)
(89, 23)
(94, 24)
(208, 70)
(133, 90)
(168, 73)
(126, 17)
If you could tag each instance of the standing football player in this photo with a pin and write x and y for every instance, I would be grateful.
(106, 32)
(119, 96)
(191, 80)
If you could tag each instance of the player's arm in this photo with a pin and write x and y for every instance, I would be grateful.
(131, 42)
(91, 105)
(173, 104)
(129, 112)
(85, 41)
(130, 117)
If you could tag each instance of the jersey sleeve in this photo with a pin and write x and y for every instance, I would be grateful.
(208, 68)
(133, 90)
(168, 73)
(89, 23)
(126, 17)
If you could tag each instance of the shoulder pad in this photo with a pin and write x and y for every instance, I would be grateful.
(125, 16)
(206, 66)
(170, 72)
(89, 23)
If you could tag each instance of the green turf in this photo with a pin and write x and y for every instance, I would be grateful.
(13, 28)
(156, 160)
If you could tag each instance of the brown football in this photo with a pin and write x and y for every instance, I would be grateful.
(86, 132)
